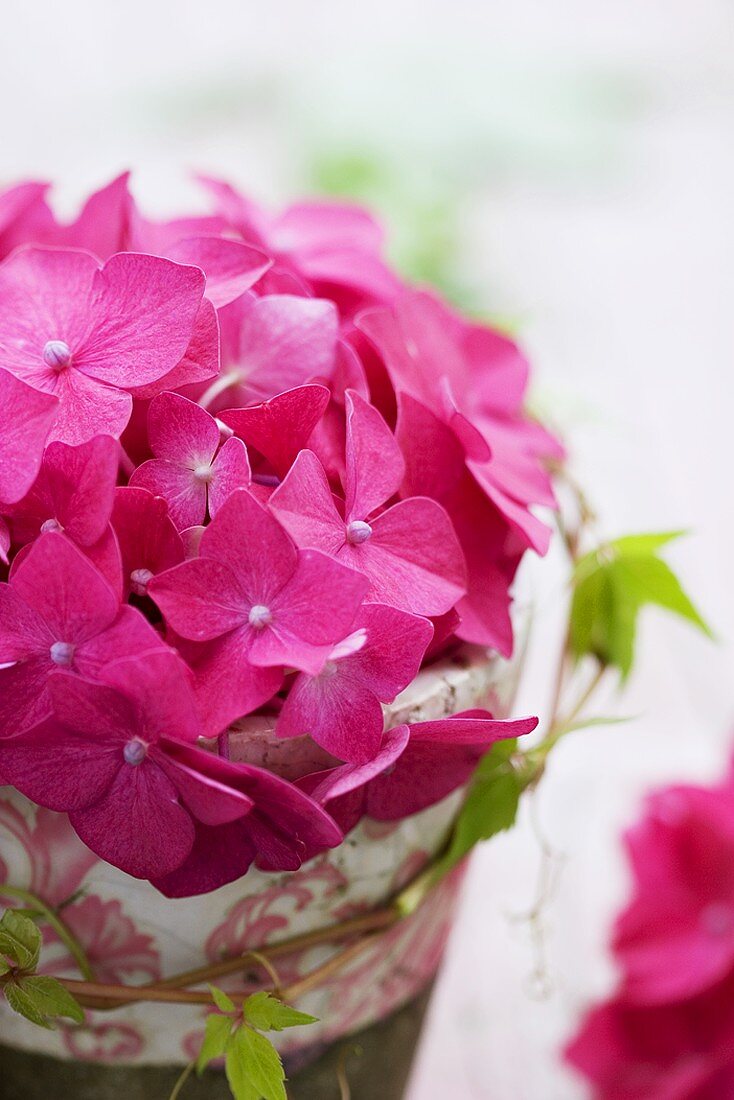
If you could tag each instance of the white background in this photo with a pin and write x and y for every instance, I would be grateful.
(589, 146)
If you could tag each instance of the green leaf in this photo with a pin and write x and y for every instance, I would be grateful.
(20, 939)
(267, 1013)
(611, 585)
(19, 1000)
(216, 1035)
(253, 1067)
(40, 998)
(221, 1000)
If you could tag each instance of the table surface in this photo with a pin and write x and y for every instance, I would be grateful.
(592, 145)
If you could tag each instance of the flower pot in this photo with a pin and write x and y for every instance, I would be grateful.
(132, 934)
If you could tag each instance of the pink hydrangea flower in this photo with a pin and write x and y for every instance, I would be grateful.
(341, 706)
(26, 419)
(409, 552)
(58, 611)
(264, 603)
(417, 765)
(191, 471)
(87, 334)
(147, 537)
(676, 937)
(678, 1051)
(281, 427)
(73, 493)
(110, 762)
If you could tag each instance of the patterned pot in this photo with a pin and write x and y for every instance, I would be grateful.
(132, 934)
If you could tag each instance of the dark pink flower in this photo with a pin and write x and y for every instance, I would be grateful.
(260, 601)
(58, 611)
(416, 766)
(341, 706)
(110, 761)
(473, 380)
(678, 1051)
(676, 938)
(281, 427)
(284, 828)
(26, 417)
(409, 552)
(88, 334)
(191, 471)
(148, 540)
(277, 343)
(73, 493)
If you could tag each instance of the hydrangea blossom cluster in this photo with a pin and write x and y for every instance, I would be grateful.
(244, 471)
(668, 1031)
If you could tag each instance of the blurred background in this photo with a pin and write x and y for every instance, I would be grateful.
(564, 166)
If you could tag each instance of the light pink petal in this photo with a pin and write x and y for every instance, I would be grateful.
(58, 768)
(138, 825)
(142, 318)
(375, 467)
(200, 362)
(26, 417)
(305, 506)
(231, 267)
(286, 341)
(79, 483)
(281, 427)
(149, 541)
(184, 494)
(230, 471)
(103, 226)
(181, 431)
(62, 585)
(249, 539)
(18, 205)
(337, 710)
(412, 558)
(314, 226)
(200, 599)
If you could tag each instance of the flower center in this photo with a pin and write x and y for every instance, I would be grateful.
(260, 616)
(50, 525)
(57, 355)
(135, 751)
(203, 473)
(139, 581)
(62, 654)
(358, 532)
(718, 918)
(330, 669)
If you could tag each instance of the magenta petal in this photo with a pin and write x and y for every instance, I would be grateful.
(231, 267)
(209, 800)
(24, 696)
(396, 644)
(200, 599)
(4, 541)
(181, 431)
(149, 542)
(281, 427)
(375, 467)
(62, 585)
(200, 362)
(23, 630)
(249, 539)
(93, 711)
(305, 506)
(138, 825)
(143, 316)
(88, 408)
(286, 341)
(78, 485)
(162, 686)
(26, 416)
(220, 855)
(230, 471)
(227, 685)
(184, 494)
(337, 711)
(129, 635)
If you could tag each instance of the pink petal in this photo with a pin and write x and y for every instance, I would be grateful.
(80, 482)
(200, 362)
(412, 558)
(184, 494)
(220, 855)
(337, 710)
(130, 635)
(313, 226)
(24, 697)
(93, 711)
(26, 416)
(209, 800)
(149, 542)
(319, 602)
(227, 686)
(230, 471)
(246, 537)
(88, 408)
(181, 431)
(59, 582)
(396, 644)
(375, 467)
(23, 631)
(281, 427)
(4, 541)
(284, 342)
(231, 267)
(138, 825)
(103, 226)
(141, 319)
(305, 506)
(161, 684)
(200, 599)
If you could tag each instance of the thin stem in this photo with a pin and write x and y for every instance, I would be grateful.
(297, 989)
(219, 385)
(181, 1081)
(66, 936)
